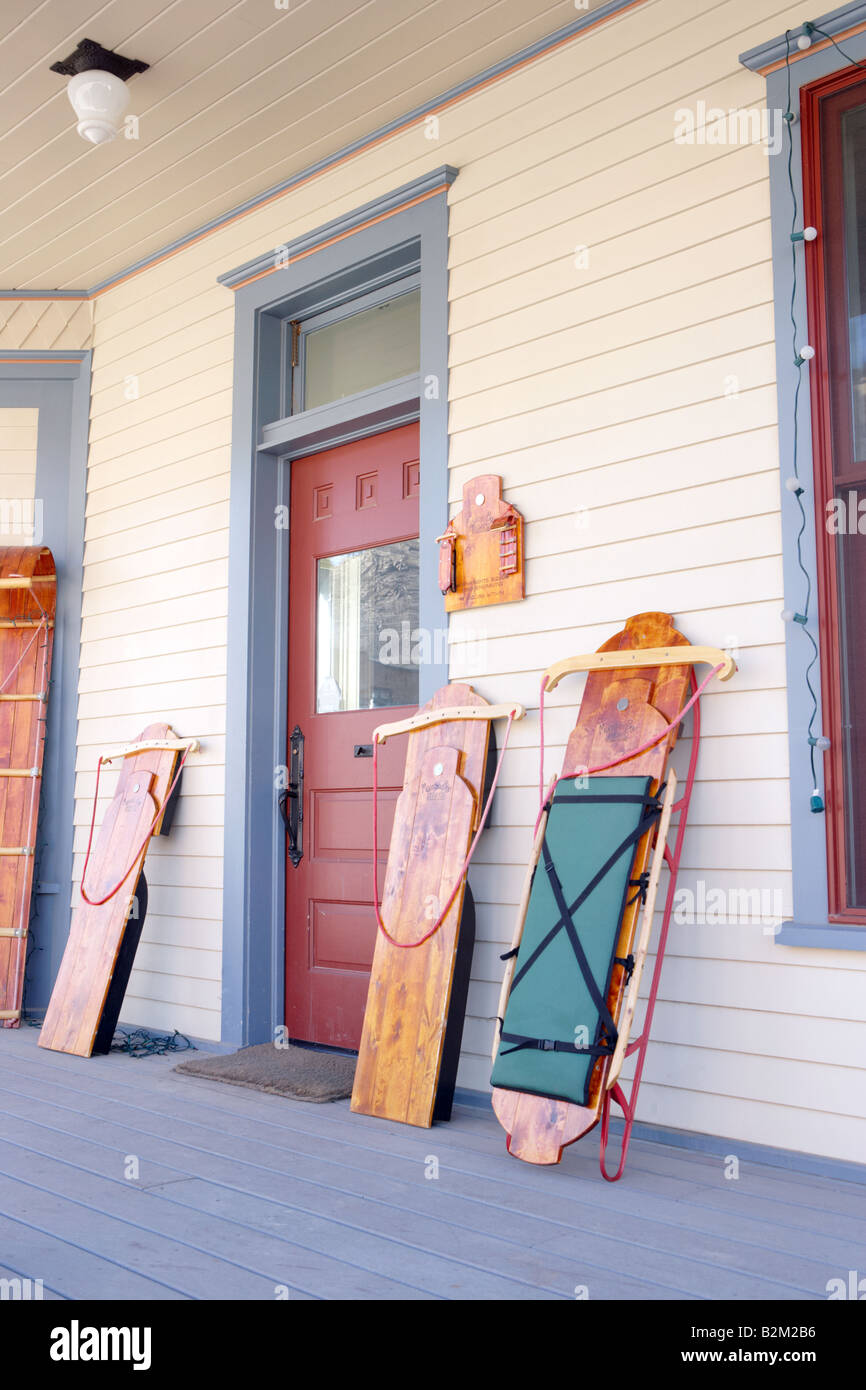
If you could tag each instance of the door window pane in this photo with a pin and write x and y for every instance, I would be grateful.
(366, 620)
(362, 350)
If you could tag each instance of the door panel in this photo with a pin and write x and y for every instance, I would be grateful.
(353, 610)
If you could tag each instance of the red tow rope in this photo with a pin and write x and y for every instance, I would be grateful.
(98, 902)
(411, 945)
(614, 762)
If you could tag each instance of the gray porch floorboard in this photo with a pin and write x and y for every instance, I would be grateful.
(240, 1195)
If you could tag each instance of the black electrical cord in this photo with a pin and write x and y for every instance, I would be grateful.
(817, 802)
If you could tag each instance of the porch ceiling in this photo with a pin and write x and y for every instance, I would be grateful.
(240, 95)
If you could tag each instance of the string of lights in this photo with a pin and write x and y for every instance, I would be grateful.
(802, 353)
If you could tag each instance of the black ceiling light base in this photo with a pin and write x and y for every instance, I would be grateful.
(90, 55)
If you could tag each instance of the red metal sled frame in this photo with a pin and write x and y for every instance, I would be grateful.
(628, 1104)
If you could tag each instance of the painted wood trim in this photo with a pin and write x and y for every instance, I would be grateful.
(59, 386)
(843, 22)
(383, 407)
(378, 210)
(808, 831)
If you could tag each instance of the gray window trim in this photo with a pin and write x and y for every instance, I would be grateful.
(809, 925)
(60, 389)
(414, 238)
(382, 407)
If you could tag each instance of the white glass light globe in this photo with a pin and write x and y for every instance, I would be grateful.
(99, 100)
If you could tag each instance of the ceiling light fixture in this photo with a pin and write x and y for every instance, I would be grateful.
(97, 88)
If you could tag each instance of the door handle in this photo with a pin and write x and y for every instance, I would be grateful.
(291, 802)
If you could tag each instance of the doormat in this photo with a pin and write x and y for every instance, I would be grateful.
(296, 1072)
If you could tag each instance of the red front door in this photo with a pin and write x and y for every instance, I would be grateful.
(352, 629)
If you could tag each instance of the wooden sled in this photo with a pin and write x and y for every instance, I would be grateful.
(636, 694)
(107, 923)
(413, 1024)
(28, 593)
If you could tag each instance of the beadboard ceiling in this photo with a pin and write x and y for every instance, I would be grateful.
(240, 95)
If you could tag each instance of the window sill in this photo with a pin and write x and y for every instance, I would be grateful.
(326, 426)
(826, 936)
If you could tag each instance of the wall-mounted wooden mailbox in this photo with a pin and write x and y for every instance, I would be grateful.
(481, 552)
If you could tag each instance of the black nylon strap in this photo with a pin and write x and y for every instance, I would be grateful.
(567, 921)
(641, 884)
(522, 1042)
(567, 913)
(627, 963)
(637, 799)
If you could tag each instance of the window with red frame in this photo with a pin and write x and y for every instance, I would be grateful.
(834, 167)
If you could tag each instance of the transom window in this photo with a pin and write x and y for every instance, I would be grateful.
(355, 347)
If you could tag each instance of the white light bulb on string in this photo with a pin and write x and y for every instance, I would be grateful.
(806, 353)
(794, 485)
(804, 42)
(810, 233)
(790, 616)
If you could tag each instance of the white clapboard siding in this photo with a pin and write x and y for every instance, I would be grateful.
(627, 396)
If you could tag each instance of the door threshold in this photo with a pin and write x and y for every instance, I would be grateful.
(324, 1047)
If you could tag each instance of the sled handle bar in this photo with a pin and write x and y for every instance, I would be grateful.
(153, 745)
(445, 714)
(685, 655)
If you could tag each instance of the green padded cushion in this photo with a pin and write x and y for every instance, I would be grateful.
(552, 999)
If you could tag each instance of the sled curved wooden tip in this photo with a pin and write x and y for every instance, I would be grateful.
(538, 1128)
(685, 655)
(446, 714)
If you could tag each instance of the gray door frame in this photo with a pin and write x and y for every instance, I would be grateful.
(405, 232)
(58, 385)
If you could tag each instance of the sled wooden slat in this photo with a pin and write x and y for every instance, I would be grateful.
(23, 622)
(28, 581)
(28, 594)
(415, 1005)
(641, 949)
(96, 936)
